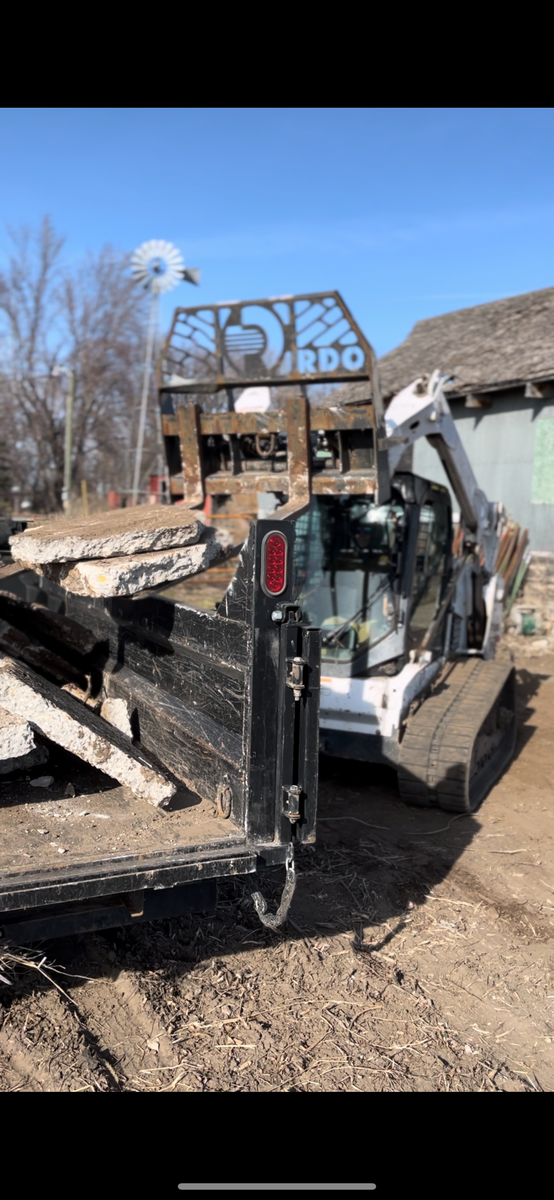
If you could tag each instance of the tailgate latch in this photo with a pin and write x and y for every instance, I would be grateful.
(295, 675)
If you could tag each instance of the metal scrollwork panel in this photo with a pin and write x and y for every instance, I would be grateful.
(311, 338)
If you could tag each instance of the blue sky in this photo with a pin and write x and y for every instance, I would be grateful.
(408, 212)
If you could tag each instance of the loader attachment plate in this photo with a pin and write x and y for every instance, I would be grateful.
(302, 445)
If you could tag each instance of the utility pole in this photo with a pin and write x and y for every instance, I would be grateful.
(68, 446)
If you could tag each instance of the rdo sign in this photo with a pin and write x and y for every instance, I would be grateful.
(328, 358)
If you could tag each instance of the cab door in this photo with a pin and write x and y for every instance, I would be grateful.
(432, 561)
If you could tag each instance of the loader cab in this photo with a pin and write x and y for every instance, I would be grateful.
(372, 576)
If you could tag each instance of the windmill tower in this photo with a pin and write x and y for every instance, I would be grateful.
(157, 267)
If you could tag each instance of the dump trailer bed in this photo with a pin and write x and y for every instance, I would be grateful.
(227, 704)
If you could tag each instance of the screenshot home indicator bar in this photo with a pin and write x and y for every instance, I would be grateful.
(277, 1187)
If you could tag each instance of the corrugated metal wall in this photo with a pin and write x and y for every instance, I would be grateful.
(511, 449)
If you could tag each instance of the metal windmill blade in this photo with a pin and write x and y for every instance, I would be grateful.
(159, 266)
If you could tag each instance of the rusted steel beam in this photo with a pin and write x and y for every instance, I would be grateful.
(299, 456)
(358, 417)
(326, 483)
(300, 477)
(327, 419)
(331, 483)
(250, 481)
(188, 422)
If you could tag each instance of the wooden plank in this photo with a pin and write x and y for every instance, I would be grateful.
(199, 751)
(18, 645)
(516, 559)
(501, 548)
(214, 688)
(59, 633)
(508, 550)
(217, 691)
(518, 582)
(217, 638)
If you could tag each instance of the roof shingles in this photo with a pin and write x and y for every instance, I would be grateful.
(492, 345)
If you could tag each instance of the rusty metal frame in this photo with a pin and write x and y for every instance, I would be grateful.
(209, 348)
(357, 429)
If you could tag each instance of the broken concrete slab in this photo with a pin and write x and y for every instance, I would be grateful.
(134, 573)
(35, 758)
(108, 535)
(64, 720)
(16, 736)
(18, 749)
(117, 713)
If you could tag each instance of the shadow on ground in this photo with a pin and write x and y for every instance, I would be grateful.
(375, 858)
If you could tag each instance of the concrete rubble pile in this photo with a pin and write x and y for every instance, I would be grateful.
(119, 553)
(18, 748)
(63, 719)
(44, 692)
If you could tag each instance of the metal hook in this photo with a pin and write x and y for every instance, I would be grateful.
(273, 921)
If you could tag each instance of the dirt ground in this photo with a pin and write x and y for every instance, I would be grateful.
(418, 957)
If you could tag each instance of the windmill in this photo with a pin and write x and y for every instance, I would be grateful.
(157, 267)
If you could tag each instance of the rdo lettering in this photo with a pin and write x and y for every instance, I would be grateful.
(327, 358)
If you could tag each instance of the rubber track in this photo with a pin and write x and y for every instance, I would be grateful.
(437, 748)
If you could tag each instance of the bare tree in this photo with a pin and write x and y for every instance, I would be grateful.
(33, 345)
(5, 478)
(91, 319)
(105, 321)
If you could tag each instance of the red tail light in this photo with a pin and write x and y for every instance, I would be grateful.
(274, 564)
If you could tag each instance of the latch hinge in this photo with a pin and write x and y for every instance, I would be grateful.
(295, 675)
(291, 806)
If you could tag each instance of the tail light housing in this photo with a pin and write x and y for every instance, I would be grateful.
(274, 572)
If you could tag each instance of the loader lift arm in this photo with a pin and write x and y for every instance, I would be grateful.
(421, 410)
